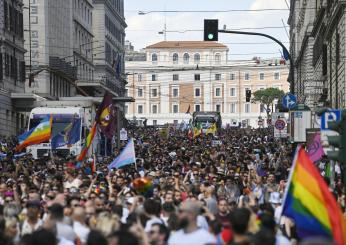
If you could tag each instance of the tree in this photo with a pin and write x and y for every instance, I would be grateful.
(267, 96)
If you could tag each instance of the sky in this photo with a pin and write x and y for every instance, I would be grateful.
(143, 30)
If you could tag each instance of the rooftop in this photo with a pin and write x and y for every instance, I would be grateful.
(187, 45)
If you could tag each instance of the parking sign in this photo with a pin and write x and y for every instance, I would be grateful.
(329, 116)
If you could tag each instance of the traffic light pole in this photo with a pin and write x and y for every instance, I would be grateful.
(275, 40)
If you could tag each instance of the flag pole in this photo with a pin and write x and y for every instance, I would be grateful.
(293, 166)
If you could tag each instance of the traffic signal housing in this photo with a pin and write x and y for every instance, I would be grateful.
(338, 141)
(248, 95)
(211, 32)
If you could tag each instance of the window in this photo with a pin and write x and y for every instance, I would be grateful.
(175, 77)
(140, 109)
(197, 107)
(175, 109)
(262, 108)
(175, 92)
(186, 58)
(232, 92)
(197, 58)
(261, 76)
(154, 58)
(232, 107)
(140, 77)
(140, 92)
(154, 122)
(247, 108)
(197, 77)
(218, 92)
(217, 77)
(276, 75)
(232, 76)
(197, 92)
(154, 92)
(126, 92)
(218, 108)
(175, 58)
(126, 109)
(153, 77)
(154, 109)
(246, 76)
(217, 59)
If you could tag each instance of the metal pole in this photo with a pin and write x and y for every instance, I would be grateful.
(30, 69)
(118, 128)
(275, 40)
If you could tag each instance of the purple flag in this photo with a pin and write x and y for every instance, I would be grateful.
(315, 149)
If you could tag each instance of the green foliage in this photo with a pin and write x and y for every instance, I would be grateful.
(267, 96)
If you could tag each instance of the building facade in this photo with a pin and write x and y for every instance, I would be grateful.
(12, 65)
(49, 42)
(178, 75)
(318, 42)
(109, 30)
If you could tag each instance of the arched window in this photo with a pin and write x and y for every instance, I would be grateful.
(197, 58)
(186, 58)
(175, 58)
(217, 58)
(154, 57)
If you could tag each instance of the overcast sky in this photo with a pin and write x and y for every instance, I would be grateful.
(143, 30)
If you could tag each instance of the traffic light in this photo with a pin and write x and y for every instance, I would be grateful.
(248, 95)
(338, 141)
(211, 30)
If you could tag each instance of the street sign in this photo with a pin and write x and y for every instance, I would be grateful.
(280, 124)
(289, 101)
(329, 116)
(123, 134)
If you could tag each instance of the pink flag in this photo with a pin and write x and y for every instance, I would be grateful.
(315, 149)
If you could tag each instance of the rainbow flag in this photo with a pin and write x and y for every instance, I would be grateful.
(36, 135)
(126, 157)
(310, 204)
(88, 142)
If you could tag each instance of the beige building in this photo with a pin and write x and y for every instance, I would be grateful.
(181, 74)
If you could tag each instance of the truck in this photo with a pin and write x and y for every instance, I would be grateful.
(206, 119)
(63, 113)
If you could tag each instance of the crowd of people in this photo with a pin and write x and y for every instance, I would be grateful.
(226, 189)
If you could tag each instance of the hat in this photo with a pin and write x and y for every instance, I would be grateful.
(33, 203)
(130, 200)
(152, 174)
(275, 198)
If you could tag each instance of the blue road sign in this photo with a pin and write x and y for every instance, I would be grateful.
(289, 101)
(329, 116)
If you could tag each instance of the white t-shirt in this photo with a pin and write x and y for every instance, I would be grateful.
(152, 221)
(75, 183)
(198, 237)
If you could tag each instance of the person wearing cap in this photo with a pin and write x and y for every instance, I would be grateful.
(190, 234)
(32, 222)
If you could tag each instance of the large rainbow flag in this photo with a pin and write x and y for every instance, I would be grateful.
(36, 135)
(310, 204)
(88, 142)
(126, 157)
